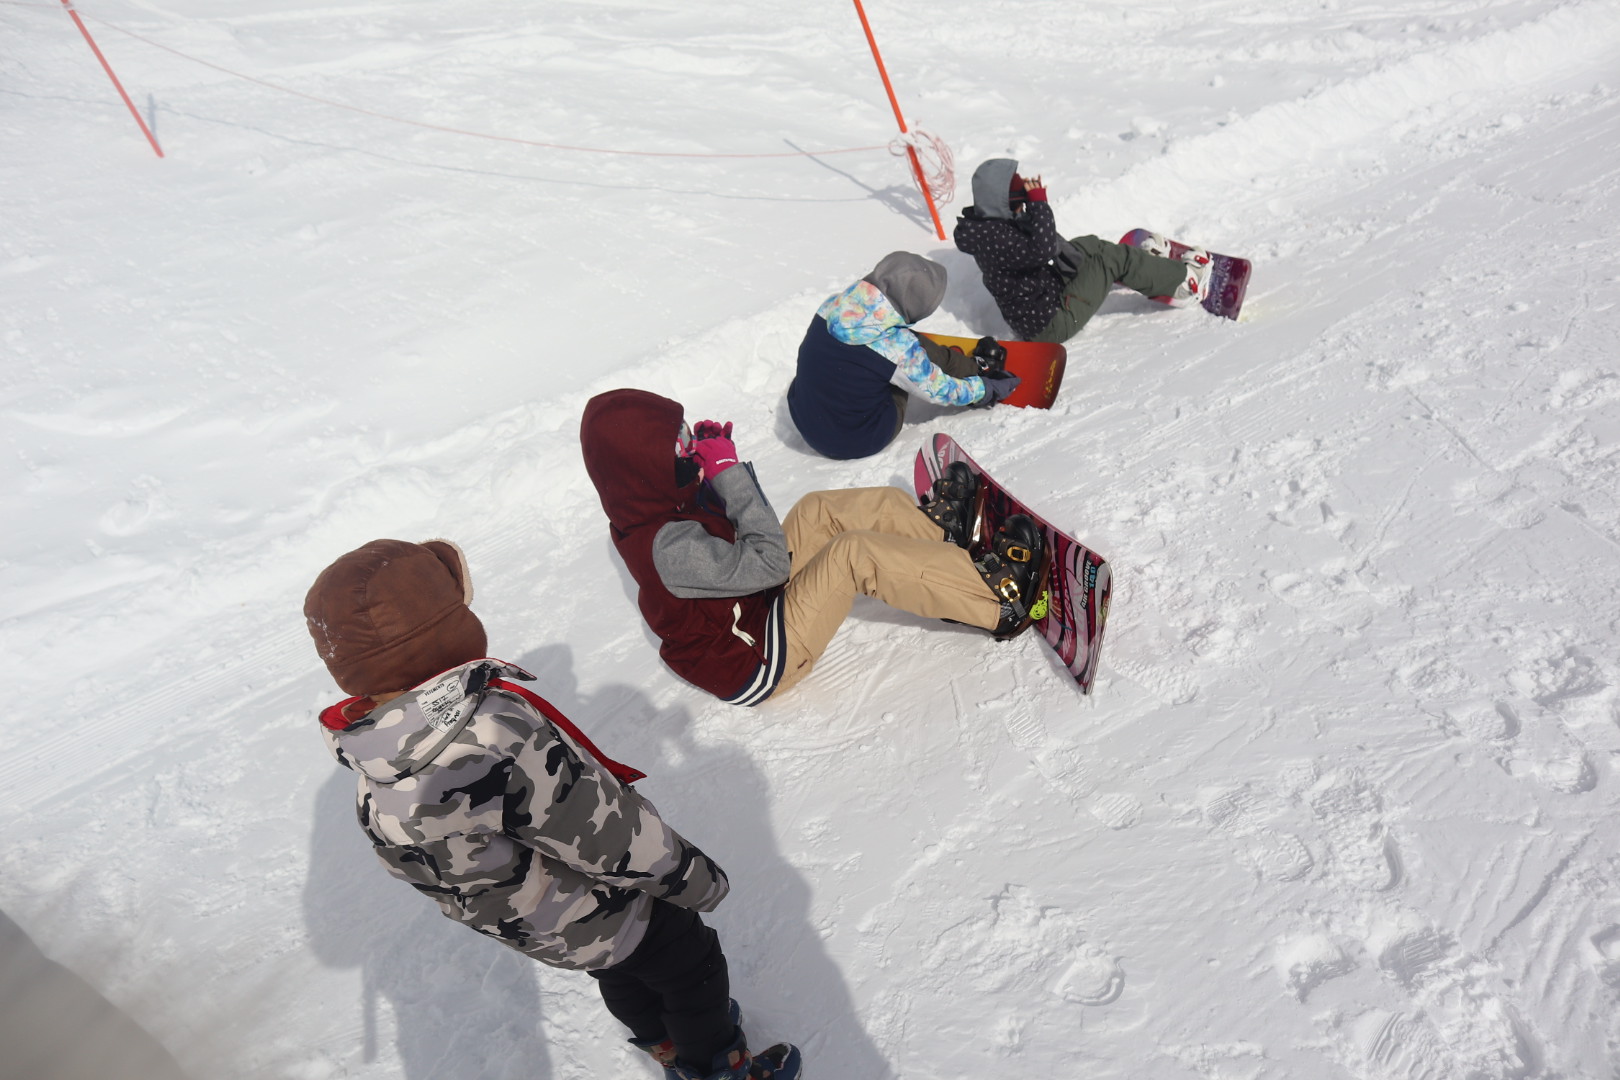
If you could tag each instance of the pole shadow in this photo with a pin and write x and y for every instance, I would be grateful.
(897, 199)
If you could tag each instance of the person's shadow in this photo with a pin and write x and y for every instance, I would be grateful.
(715, 796)
(464, 1005)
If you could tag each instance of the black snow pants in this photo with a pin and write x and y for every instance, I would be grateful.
(674, 986)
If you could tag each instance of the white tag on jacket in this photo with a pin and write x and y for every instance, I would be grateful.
(441, 702)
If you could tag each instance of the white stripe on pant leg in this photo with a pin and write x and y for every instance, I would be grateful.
(769, 672)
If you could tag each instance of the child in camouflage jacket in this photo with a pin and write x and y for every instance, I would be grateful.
(481, 795)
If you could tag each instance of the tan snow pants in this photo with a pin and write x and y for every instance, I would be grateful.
(870, 542)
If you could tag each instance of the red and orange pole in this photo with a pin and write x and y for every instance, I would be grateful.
(133, 111)
(911, 151)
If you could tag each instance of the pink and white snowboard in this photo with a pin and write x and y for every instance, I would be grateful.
(1080, 584)
(1228, 279)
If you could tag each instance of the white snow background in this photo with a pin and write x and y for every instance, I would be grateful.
(1343, 802)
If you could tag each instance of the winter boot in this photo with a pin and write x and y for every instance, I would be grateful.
(1017, 566)
(780, 1062)
(1199, 267)
(663, 1051)
(1155, 244)
(956, 505)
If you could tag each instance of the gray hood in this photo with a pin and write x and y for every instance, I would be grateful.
(913, 284)
(992, 186)
(398, 739)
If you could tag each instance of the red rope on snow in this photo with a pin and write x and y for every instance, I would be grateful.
(936, 178)
(463, 131)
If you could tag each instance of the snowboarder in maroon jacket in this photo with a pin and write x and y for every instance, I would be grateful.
(743, 605)
(1047, 287)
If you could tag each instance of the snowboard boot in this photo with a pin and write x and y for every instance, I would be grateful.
(663, 1051)
(1199, 268)
(1195, 286)
(1017, 566)
(1156, 245)
(780, 1062)
(956, 505)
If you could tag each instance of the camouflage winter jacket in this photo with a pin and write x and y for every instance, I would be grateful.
(484, 797)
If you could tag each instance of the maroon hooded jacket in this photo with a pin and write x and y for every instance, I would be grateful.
(729, 646)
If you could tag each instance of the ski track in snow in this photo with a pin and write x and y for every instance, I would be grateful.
(1342, 801)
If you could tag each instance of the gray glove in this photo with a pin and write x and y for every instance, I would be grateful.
(997, 386)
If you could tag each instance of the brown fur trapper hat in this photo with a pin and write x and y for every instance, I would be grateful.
(391, 614)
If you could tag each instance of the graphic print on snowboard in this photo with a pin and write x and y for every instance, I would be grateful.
(1080, 585)
(1228, 278)
(1039, 364)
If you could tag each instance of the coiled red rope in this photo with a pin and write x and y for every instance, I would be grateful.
(910, 144)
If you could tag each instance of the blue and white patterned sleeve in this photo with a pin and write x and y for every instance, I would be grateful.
(911, 362)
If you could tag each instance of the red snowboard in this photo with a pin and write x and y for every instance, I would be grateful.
(1228, 281)
(1081, 583)
(1038, 363)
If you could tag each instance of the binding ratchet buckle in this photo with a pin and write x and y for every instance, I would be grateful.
(1017, 553)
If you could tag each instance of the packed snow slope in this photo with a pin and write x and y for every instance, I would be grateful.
(1343, 802)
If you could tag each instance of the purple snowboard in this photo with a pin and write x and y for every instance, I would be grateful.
(1228, 281)
(1080, 584)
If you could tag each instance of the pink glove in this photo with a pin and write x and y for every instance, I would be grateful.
(711, 429)
(716, 454)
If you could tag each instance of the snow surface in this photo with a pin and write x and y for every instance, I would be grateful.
(1343, 802)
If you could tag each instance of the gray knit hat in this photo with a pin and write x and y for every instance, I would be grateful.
(913, 284)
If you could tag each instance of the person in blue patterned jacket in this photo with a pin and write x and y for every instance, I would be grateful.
(860, 361)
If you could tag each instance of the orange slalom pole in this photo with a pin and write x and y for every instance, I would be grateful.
(911, 151)
(133, 111)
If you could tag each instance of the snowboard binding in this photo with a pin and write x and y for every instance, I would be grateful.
(956, 505)
(1017, 565)
(991, 356)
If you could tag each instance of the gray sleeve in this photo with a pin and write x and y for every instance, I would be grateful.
(695, 565)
